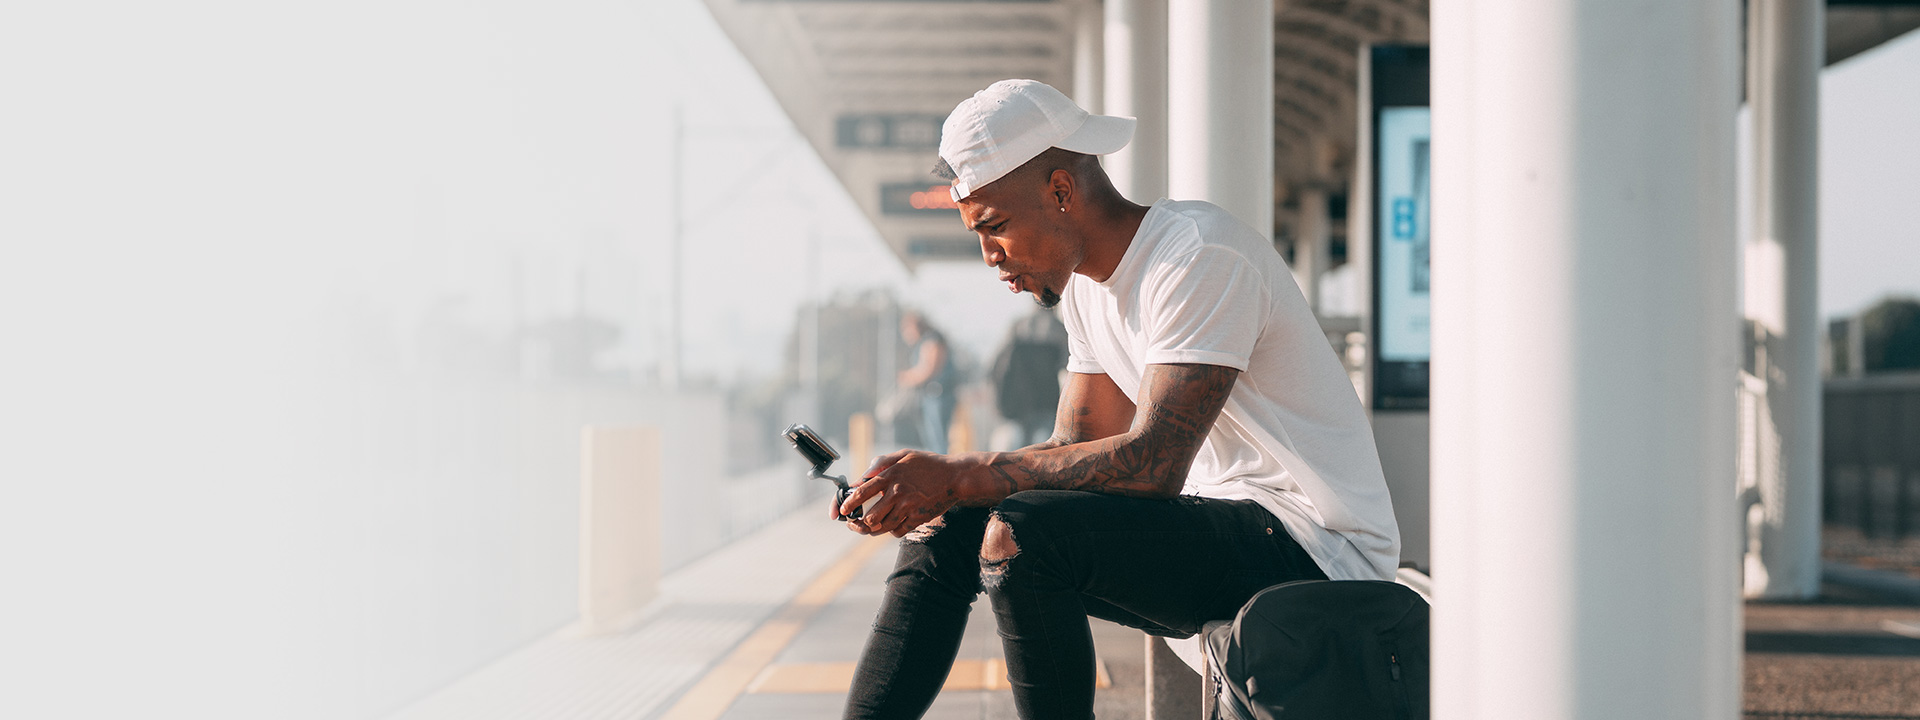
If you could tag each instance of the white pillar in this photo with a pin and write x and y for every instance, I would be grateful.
(1220, 106)
(1136, 69)
(1583, 531)
(1785, 50)
(1311, 244)
(1089, 56)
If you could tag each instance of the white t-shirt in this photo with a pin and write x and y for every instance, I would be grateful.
(1198, 286)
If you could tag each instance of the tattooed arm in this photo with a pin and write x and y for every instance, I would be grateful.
(1179, 404)
(1090, 450)
(1091, 408)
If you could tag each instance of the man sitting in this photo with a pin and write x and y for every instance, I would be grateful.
(1207, 446)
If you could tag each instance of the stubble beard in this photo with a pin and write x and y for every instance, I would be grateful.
(1046, 298)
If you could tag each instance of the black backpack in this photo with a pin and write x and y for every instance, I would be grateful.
(1323, 650)
(1026, 378)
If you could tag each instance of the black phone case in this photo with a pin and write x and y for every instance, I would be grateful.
(821, 455)
(811, 446)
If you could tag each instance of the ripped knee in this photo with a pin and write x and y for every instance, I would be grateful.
(926, 530)
(999, 545)
(996, 550)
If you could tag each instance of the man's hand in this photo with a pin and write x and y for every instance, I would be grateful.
(1093, 450)
(913, 487)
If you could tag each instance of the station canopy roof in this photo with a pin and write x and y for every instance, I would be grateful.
(869, 82)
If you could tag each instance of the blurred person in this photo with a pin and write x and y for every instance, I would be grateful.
(1026, 374)
(1207, 444)
(927, 385)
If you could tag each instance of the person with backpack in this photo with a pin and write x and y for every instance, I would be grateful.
(1026, 374)
(1207, 444)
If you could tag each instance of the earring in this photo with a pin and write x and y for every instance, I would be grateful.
(1063, 208)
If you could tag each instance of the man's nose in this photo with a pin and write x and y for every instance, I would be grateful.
(990, 252)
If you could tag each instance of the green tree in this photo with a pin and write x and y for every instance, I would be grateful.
(1891, 334)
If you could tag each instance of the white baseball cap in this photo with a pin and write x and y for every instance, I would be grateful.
(1013, 121)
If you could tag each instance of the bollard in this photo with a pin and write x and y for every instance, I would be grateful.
(960, 429)
(859, 444)
(619, 525)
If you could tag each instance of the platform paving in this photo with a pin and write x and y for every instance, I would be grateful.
(809, 678)
(770, 627)
(1854, 653)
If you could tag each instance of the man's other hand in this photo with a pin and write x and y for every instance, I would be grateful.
(913, 487)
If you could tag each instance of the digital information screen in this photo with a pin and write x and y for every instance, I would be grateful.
(1402, 222)
(1405, 252)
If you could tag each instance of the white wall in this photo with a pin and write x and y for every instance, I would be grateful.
(435, 527)
(236, 478)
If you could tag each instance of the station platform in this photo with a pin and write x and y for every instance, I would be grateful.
(770, 627)
(767, 627)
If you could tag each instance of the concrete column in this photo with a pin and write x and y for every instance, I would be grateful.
(1584, 539)
(1786, 45)
(1089, 56)
(1220, 106)
(1360, 230)
(1136, 78)
(1311, 244)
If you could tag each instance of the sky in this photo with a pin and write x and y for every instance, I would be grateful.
(1869, 158)
(758, 198)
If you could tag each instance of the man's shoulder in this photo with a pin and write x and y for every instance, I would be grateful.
(1196, 209)
(1205, 217)
(1190, 225)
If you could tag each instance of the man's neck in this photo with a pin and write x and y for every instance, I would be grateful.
(1108, 238)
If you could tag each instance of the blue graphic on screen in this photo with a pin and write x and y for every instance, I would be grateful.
(1403, 218)
(1406, 272)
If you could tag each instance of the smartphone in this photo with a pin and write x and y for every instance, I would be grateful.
(811, 446)
(821, 455)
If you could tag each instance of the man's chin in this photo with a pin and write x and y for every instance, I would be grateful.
(1046, 298)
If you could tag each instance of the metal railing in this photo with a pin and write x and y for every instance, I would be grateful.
(1871, 453)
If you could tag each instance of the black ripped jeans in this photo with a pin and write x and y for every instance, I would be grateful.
(1163, 566)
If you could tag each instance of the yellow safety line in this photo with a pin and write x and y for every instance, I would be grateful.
(716, 692)
(837, 677)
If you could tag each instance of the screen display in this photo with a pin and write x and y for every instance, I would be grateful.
(1406, 273)
(1401, 216)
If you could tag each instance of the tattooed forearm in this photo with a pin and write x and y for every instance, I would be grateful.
(1178, 406)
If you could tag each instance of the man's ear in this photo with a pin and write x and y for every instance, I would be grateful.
(1061, 186)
